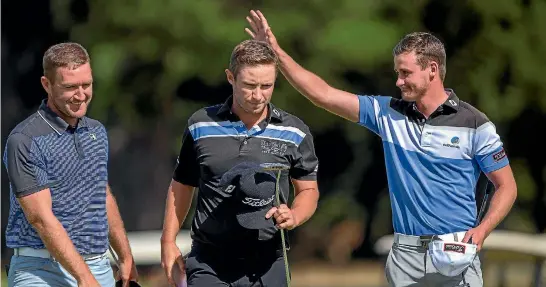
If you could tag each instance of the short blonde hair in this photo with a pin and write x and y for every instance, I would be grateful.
(251, 53)
(70, 55)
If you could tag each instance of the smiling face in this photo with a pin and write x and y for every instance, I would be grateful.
(71, 91)
(253, 87)
(413, 81)
(419, 61)
(68, 81)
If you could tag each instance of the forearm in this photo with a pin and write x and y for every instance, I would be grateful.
(500, 205)
(177, 205)
(116, 232)
(308, 84)
(60, 246)
(304, 205)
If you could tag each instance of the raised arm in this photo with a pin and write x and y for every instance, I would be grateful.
(314, 88)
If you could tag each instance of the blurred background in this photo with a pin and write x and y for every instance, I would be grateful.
(156, 62)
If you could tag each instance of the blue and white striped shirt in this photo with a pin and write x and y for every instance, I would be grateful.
(433, 164)
(44, 152)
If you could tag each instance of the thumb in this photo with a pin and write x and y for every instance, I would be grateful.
(168, 271)
(181, 265)
(467, 236)
(270, 212)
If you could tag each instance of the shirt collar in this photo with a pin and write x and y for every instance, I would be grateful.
(452, 101)
(272, 111)
(451, 104)
(54, 121)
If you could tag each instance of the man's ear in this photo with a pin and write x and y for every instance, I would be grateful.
(230, 77)
(434, 71)
(46, 84)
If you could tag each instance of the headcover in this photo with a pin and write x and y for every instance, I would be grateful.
(253, 190)
(451, 258)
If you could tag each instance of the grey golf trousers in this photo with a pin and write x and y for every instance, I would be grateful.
(409, 264)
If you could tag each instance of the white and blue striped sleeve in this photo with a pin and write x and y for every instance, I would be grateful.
(488, 148)
(370, 111)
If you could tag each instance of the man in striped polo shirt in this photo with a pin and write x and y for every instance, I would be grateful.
(63, 215)
(221, 140)
(435, 147)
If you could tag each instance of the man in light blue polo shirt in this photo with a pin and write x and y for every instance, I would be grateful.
(435, 147)
(63, 215)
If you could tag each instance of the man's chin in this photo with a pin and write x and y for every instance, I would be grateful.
(408, 97)
(79, 113)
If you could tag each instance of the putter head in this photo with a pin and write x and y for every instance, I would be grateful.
(274, 166)
(119, 283)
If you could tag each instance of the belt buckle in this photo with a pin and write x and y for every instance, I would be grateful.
(425, 240)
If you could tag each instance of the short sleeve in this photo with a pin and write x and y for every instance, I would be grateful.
(305, 163)
(25, 165)
(488, 149)
(369, 111)
(187, 168)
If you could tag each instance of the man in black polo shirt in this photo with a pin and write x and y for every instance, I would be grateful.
(246, 128)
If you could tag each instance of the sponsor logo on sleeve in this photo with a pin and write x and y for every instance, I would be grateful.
(499, 155)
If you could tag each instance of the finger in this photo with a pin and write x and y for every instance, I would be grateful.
(467, 236)
(252, 24)
(270, 35)
(180, 263)
(257, 20)
(286, 225)
(283, 217)
(270, 212)
(125, 283)
(282, 210)
(250, 33)
(168, 272)
(264, 21)
(284, 207)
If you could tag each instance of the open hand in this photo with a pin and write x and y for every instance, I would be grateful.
(260, 29)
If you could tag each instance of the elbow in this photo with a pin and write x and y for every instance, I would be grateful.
(39, 221)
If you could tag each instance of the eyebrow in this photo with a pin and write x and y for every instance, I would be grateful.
(76, 84)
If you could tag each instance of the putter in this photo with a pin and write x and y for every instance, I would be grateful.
(279, 168)
(119, 283)
(488, 189)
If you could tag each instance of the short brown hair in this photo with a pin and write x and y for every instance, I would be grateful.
(70, 55)
(426, 47)
(252, 53)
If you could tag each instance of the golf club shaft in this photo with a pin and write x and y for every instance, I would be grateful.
(283, 241)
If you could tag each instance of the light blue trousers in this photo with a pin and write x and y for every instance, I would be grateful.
(45, 272)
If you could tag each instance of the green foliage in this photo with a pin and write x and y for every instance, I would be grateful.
(147, 48)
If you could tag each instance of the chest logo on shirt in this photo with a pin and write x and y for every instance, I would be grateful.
(274, 147)
(454, 143)
(93, 136)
